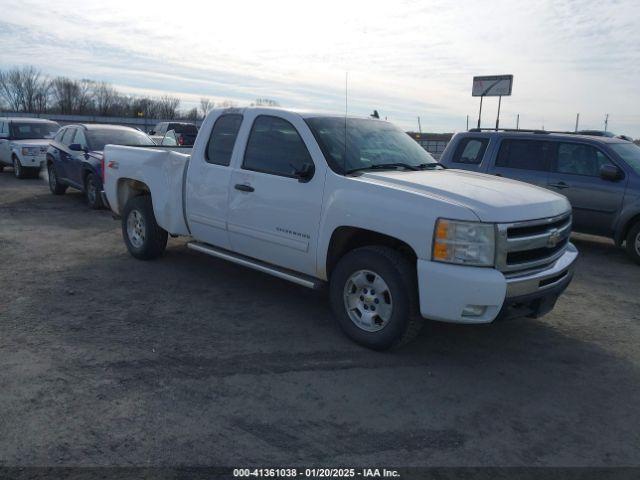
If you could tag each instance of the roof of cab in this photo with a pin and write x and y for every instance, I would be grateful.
(300, 112)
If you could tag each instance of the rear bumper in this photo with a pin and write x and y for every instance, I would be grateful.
(447, 290)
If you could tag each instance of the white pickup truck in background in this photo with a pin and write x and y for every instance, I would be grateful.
(357, 204)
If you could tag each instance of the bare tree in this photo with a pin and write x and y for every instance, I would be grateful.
(192, 114)
(105, 98)
(227, 104)
(168, 106)
(11, 89)
(264, 102)
(206, 105)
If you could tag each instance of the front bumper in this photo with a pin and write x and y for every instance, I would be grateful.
(447, 290)
(32, 161)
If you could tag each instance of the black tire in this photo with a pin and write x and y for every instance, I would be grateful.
(56, 187)
(92, 187)
(399, 274)
(633, 243)
(18, 169)
(1, 168)
(152, 239)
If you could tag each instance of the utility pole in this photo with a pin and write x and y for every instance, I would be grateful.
(480, 112)
(419, 126)
(498, 117)
(577, 120)
(606, 122)
(518, 122)
(467, 123)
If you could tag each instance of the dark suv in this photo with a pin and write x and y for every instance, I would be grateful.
(599, 175)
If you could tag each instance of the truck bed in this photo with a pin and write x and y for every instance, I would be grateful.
(159, 169)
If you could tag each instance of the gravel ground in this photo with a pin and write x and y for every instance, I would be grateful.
(188, 360)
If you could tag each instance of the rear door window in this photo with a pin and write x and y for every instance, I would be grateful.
(524, 154)
(470, 151)
(223, 138)
(580, 159)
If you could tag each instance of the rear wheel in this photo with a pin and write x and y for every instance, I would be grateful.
(374, 296)
(633, 242)
(1, 168)
(18, 169)
(92, 192)
(144, 238)
(55, 186)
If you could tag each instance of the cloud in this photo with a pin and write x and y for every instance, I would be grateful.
(404, 58)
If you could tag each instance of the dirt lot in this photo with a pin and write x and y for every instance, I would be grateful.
(106, 360)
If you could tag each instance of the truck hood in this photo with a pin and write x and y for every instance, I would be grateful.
(33, 142)
(491, 198)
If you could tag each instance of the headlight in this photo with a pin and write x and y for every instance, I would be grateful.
(464, 243)
(30, 151)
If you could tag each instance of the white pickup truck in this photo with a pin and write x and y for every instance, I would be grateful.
(355, 203)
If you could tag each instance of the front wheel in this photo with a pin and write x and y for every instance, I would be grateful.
(374, 294)
(18, 169)
(144, 238)
(92, 192)
(55, 186)
(633, 243)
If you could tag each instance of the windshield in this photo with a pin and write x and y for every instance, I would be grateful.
(368, 143)
(98, 138)
(630, 153)
(33, 130)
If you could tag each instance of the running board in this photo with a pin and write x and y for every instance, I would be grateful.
(300, 279)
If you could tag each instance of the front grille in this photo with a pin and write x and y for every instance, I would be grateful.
(525, 246)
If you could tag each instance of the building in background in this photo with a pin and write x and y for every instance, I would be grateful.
(434, 143)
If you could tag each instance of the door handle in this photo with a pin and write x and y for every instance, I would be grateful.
(560, 185)
(244, 188)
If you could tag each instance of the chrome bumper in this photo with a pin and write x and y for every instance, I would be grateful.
(528, 284)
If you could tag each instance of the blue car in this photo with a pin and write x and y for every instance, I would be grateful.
(75, 159)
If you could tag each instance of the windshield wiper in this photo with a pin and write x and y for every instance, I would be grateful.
(424, 166)
(385, 166)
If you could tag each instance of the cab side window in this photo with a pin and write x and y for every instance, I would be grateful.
(67, 139)
(59, 135)
(470, 151)
(524, 154)
(275, 147)
(80, 138)
(580, 159)
(223, 138)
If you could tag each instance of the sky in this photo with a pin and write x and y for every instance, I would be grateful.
(404, 58)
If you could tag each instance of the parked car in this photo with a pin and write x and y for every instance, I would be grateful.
(599, 175)
(182, 133)
(23, 144)
(75, 159)
(396, 236)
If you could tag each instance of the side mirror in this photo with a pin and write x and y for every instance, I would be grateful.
(610, 172)
(152, 132)
(305, 172)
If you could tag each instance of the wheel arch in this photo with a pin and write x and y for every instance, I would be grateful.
(627, 226)
(128, 188)
(347, 238)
